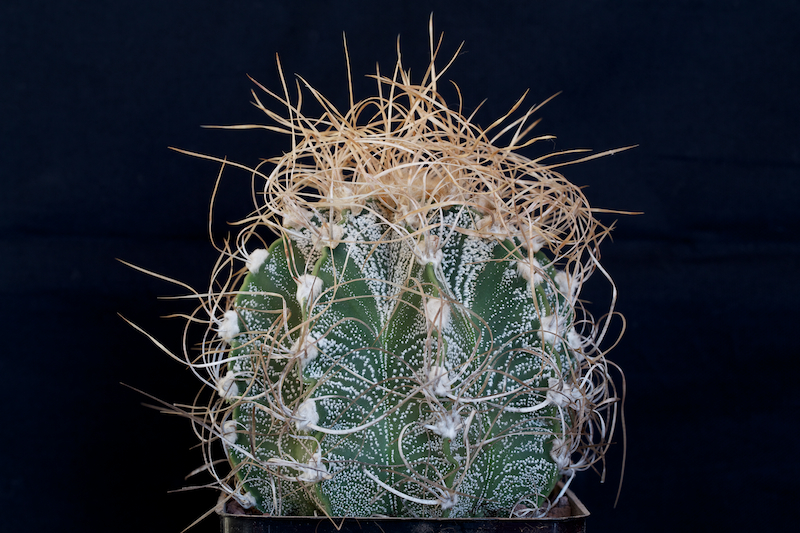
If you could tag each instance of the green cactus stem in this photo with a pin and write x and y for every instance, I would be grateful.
(427, 377)
(413, 343)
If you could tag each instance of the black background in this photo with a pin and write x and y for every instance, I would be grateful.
(92, 93)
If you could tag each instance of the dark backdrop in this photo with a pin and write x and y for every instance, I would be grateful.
(94, 92)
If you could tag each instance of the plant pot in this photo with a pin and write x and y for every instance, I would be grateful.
(574, 521)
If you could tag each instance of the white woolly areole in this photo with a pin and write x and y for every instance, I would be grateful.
(315, 470)
(568, 286)
(531, 239)
(447, 425)
(437, 311)
(306, 415)
(306, 350)
(484, 224)
(408, 211)
(429, 251)
(561, 393)
(329, 236)
(448, 500)
(256, 259)
(229, 431)
(434, 257)
(308, 288)
(227, 386)
(576, 341)
(530, 270)
(343, 197)
(228, 326)
(548, 331)
(439, 382)
(295, 217)
(560, 454)
(246, 500)
(499, 231)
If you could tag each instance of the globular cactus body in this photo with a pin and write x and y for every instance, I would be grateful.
(428, 374)
(413, 343)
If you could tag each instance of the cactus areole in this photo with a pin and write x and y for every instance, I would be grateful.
(413, 343)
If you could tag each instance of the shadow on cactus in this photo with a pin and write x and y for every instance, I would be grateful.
(414, 342)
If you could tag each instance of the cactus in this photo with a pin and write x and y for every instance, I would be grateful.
(413, 343)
